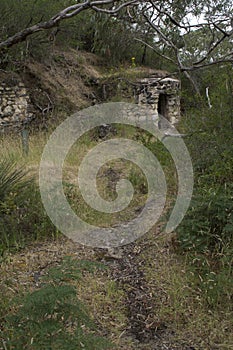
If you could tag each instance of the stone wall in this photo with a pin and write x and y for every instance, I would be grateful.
(155, 90)
(14, 106)
(161, 95)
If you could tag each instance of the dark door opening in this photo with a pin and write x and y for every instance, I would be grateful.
(162, 106)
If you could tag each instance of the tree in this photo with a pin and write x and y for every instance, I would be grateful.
(189, 34)
(192, 34)
(105, 6)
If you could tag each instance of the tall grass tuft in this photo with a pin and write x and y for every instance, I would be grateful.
(12, 180)
(22, 216)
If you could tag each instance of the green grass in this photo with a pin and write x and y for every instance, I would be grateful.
(34, 224)
(23, 218)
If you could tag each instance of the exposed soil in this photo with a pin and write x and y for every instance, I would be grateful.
(69, 80)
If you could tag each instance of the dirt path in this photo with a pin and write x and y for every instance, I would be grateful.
(23, 270)
(144, 329)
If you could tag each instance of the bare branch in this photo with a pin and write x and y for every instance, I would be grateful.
(188, 27)
(163, 12)
(117, 9)
(156, 51)
(222, 60)
(168, 42)
(211, 25)
(66, 13)
(212, 49)
(165, 39)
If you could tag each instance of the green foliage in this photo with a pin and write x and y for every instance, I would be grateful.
(163, 156)
(22, 216)
(52, 317)
(86, 31)
(17, 15)
(208, 226)
(11, 179)
(116, 42)
(138, 181)
(206, 233)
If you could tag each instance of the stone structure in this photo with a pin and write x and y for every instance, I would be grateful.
(14, 105)
(161, 94)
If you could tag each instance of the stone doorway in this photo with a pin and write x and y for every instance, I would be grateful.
(161, 95)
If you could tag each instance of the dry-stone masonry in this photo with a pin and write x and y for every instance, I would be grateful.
(161, 95)
(156, 90)
(14, 105)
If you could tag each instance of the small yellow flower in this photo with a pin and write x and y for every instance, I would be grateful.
(133, 62)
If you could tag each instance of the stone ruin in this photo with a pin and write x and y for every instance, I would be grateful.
(156, 90)
(14, 105)
(160, 94)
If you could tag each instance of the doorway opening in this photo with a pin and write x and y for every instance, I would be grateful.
(163, 105)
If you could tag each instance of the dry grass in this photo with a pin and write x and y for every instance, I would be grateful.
(21, 273)
(180, 304)
(106, 302)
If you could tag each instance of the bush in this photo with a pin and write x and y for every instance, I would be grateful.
(22, 216)
(206, 238)
(208, 225)
(206, 233)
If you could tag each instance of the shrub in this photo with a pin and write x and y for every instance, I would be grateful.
(11, 179)
(208, 226)
(206, 233)
(22, 216)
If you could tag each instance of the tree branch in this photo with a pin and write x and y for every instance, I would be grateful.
(212, 49)
(213, 25)
(117, 9)
(156, 51)
(222, 60)
(66, 13)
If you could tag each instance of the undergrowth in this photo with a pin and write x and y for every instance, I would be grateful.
(53, 317)
(205, 236)
(22, 216)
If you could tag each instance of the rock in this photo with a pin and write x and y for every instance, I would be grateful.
(8, 110)
(105, 130)
(14, 102)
